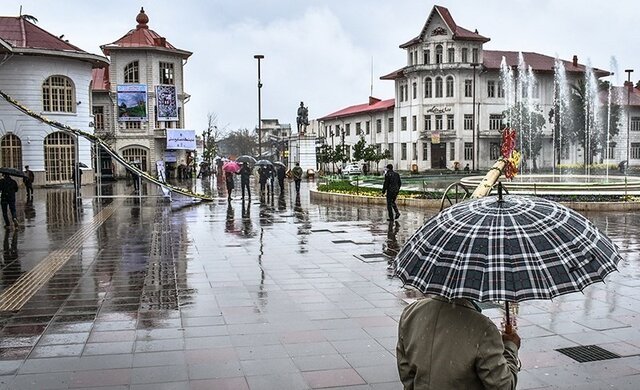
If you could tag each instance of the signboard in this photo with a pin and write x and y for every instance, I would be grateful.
(435, 137)
(167, 102)
(132, 102)
(181, 139)
(170, 156)
(438, 110)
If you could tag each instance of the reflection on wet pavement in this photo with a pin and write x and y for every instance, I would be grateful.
(278, 294)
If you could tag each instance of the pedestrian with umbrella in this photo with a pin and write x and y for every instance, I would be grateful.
(511, 249)
(245, 173)
(229, 183)
(8, 188)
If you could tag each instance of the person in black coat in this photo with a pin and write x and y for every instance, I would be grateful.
(391, 188)
(230, 184)
(281, 171)
(9, 187)
(263, 176)
(245, 172)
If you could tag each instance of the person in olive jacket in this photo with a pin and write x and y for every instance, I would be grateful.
(450, 344)
(391, 188)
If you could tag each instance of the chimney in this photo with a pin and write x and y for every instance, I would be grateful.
(373, 100)
(575, 60)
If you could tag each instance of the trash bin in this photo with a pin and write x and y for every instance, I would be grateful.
(414, 168)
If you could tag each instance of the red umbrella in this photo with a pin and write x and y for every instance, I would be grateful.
(231, 166)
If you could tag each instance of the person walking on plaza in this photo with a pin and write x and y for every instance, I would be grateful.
(9, 187)
(28, 181)
(281, 172)
(297, 176)
(245, 172)
(230, 184)
(391, 188)
(263, 175)
(450, 344)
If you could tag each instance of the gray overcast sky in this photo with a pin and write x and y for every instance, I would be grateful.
(320, 51)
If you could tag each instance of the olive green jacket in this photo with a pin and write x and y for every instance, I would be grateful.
(451, 345)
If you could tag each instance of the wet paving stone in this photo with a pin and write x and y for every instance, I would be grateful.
(260, 298)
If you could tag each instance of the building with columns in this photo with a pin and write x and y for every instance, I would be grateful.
(143, 65)
(449, 101)
(49, 76)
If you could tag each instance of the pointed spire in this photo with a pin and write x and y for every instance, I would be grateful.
(142, 19)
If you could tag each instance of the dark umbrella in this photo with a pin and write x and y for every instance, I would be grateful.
(248, 159)
(83, 165)
(264, 162)
(508, 249)
(12, 172)
(280, 164)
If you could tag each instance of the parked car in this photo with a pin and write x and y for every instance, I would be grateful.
(351, 169)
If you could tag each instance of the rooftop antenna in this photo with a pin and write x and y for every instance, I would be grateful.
(371, 94)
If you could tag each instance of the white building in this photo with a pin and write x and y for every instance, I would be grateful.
(433, 121)
(141, 60)
(51, 77)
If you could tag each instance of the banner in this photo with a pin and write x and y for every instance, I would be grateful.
(167, 102)
(132, 102)
(435, 137)
(181, 139)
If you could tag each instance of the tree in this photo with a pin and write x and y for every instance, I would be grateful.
(359, 149)
(324, 155)
(379, 156)
(210, 137)
(341, 154)
(529, 129)
(239, 142)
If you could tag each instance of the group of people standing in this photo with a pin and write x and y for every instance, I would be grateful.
(266, 177)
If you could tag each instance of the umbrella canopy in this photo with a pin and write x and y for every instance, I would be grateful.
(248, 159)
(264, 162)
(280, 164)
(510, 249)
(12, 172)
(231, 166)
(83, 165)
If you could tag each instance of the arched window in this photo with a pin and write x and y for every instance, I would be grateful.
(132, 73)
(428, 87)
(59, 156)
(58, 95)
(439, 54)
(11, 150)
(438, 87)
(136, 154)
(449, 86)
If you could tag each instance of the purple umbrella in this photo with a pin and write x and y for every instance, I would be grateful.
(231, 166)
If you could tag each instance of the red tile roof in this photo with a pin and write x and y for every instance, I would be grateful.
(374, 105)
(100, 79)
(621, 93)
(493, 58)
(21, 33)
(539, 62)
(143, 37)
(459, 33)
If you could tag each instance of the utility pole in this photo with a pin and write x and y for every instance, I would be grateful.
(259, 57)
(629, 86)
(473, 120)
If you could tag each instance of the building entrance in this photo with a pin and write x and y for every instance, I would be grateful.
(439, 156)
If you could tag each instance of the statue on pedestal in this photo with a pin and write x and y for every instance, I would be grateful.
(302, 119)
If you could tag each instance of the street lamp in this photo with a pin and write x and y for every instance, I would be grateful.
(473, 119)
(259, 57)
(629, 86)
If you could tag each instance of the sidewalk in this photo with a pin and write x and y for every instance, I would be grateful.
(139, 293)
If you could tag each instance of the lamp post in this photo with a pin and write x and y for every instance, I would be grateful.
(259, 57)
(629, 86)
(473, 119)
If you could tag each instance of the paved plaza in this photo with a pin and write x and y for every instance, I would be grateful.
(140, 293)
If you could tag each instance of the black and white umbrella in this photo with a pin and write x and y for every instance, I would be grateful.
(248, 159)
(511, 248)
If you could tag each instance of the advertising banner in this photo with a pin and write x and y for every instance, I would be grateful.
(167, 101)
(181, 139)
(132, 102)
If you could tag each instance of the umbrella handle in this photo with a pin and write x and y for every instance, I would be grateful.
(508, 328)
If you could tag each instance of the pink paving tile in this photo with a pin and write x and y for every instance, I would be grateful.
(238, 383)
(333, 378)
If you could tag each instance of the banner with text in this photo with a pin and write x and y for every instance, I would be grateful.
(132, 102)
(181, 139)
(167, 102)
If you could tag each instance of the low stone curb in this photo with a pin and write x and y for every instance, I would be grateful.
(435, 203)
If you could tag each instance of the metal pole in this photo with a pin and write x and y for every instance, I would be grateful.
(629, 86)
(473, 120)
(259, 57)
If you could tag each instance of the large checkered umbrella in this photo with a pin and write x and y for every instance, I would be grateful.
(512, 248)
